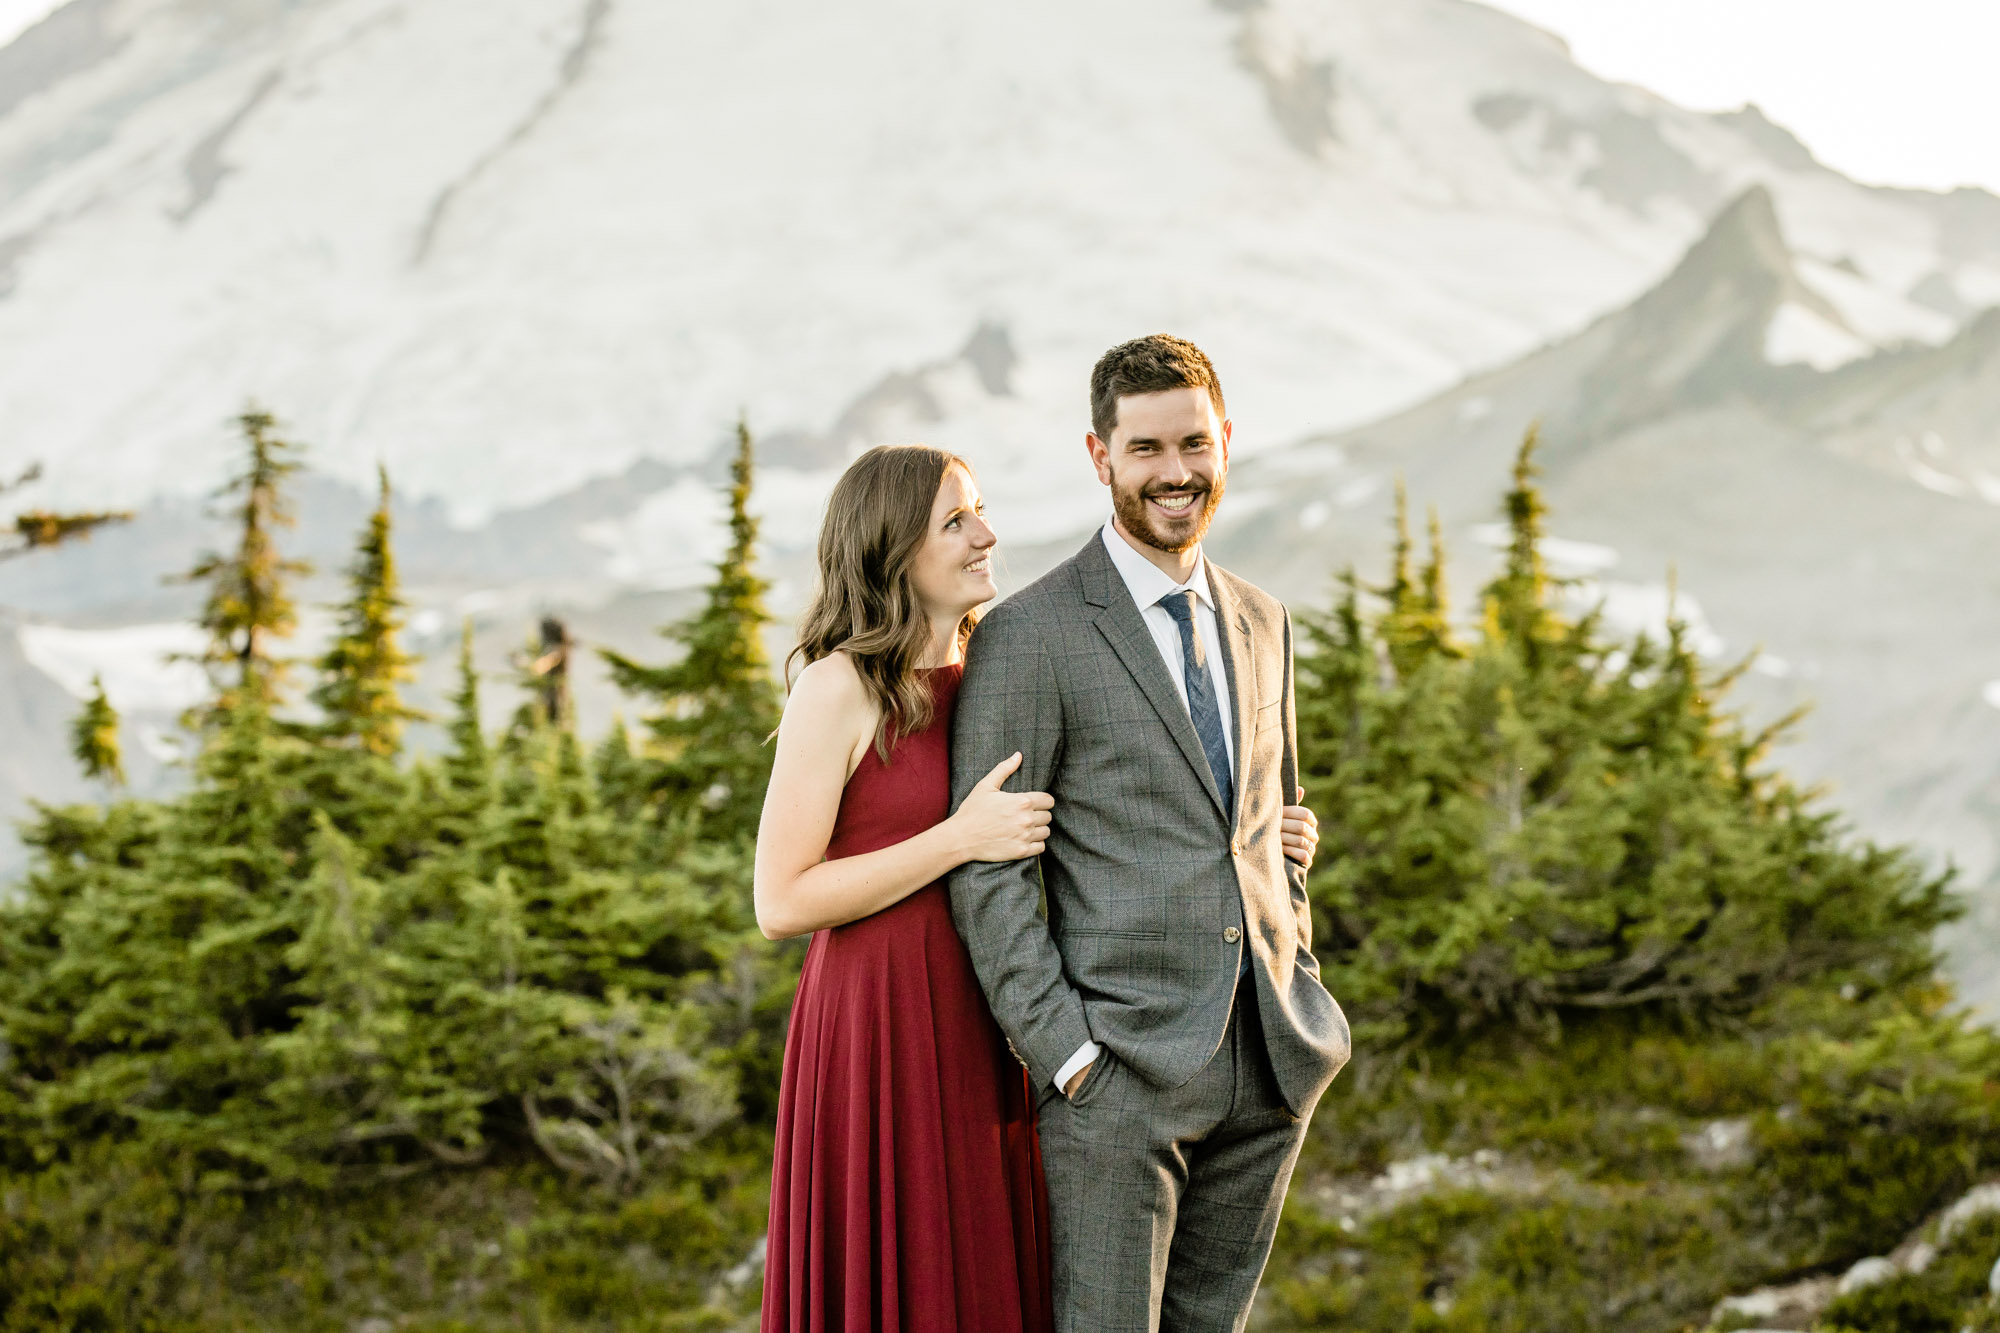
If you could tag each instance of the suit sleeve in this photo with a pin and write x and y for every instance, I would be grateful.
(1009, 700)
(1295, 873)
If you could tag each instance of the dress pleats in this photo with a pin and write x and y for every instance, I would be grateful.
(906, 1191)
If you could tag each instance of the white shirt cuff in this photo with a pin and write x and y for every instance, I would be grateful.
(1085, 1053)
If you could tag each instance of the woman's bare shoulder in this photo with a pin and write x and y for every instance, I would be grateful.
(831, 686)
(830, 710)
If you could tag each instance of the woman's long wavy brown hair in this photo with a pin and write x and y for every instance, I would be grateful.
(865, 603)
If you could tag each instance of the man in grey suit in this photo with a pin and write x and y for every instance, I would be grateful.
(1168, 1006)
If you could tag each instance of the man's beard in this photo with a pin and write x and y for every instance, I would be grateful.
(1139, 518)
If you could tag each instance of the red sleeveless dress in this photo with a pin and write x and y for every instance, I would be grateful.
(907, 1189)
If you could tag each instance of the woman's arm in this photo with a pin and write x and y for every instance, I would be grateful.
(829, 723)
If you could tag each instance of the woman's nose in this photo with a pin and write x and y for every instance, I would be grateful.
(983, 536)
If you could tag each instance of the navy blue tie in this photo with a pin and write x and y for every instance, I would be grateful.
(1202, 704)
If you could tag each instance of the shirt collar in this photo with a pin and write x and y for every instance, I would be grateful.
(1145, 580)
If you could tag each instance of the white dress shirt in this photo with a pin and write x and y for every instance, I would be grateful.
(1148, 584)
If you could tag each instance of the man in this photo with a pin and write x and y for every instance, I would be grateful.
(1169, 1007)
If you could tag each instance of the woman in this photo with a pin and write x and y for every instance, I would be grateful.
(907, 1188)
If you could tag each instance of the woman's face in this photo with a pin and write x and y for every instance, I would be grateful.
(952, 572)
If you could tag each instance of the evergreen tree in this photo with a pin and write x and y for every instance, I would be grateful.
(359, 674)
(1517, 601)
(719, 703)
(621, 777)
(247, 992)
(1414, 624)
(249, 606)
(1540, 826)
(467, 764)
(94, 738)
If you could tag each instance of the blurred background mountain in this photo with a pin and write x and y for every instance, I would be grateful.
(535, 258)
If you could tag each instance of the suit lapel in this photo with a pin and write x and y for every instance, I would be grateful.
(1239, 654)
(1119, 621)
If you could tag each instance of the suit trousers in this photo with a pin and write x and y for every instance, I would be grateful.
(1163, 1202)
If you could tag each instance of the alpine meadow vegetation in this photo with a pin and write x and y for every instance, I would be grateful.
(346, 1036)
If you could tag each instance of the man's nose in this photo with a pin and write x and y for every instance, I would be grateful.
(1176, 471)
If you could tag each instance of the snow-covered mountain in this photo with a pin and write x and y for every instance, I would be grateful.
(1841, 524)
(510, 245)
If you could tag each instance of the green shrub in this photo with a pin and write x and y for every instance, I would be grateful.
(1901, 1304)
(1876, 1132)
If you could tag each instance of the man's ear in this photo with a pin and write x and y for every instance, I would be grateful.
(1100, 456)
(1228, 429)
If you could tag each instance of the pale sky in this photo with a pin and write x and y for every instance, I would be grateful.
(1892, 92)
(18, 14)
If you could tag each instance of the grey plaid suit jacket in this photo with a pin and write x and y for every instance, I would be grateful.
(1146, 875)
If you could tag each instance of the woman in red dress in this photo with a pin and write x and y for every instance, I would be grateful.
(907, 1188)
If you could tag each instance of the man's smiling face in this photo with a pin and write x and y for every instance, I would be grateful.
(1166, 462)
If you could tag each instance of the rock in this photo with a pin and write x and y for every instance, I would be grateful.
(1793, 1306)
(1763, 1304)
(1985, 1199)
(1866, 1273)
(1720, 1145)
(751, 1268)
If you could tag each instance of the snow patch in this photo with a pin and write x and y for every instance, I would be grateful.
(1926, 460)
(134, 662)
(164, 748)
(1632, 609)
(1797, 336)
(1357, 492)
(1882, 316)
(1564, 557)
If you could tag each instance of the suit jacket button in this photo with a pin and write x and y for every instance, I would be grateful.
(1236, 846)
(1232, 934)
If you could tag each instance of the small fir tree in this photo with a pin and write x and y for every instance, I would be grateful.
(249, 605)
(620, 774)
(360, 673)
(718, 704)
(1414, 625)
(1517, 600)
(94, 738)
(467, 764)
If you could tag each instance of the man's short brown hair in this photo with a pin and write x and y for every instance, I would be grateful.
(1152, 364)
